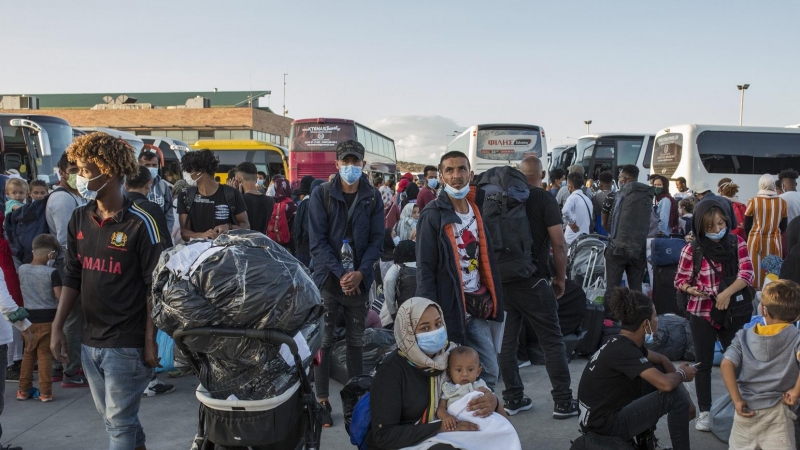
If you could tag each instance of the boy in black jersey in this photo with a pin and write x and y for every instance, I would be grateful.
(113, 247)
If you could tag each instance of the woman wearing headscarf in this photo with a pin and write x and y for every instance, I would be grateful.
(666, 206)
(765, 220)
(408, 222)
(407, 386)
(706, 300)
(283, 200)
(729, 189)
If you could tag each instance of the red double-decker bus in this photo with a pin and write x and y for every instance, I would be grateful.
(312, 148)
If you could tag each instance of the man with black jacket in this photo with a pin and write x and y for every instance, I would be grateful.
(456, 265)
(347, 208)
(534, 300)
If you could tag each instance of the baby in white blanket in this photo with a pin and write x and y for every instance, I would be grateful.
(463, 369)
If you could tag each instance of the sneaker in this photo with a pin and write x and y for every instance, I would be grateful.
(157, 387)
(45, 398)
(522, 364)
(12, 372)
(566, 410)
(702, 422)
(327, 420)
(56, 375)
(74, 381)
(512, 407)
(22, 396)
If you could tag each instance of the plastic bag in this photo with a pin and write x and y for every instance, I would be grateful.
(165, 345)
(240, 280)
(721, 417)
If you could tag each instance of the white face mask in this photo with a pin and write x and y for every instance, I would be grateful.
(648, 337)
(82, 184)
(187, 177)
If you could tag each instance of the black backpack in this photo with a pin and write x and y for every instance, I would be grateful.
(506, 220)
(406, 286)
(629, 230)
(230, 199)
(23, 225)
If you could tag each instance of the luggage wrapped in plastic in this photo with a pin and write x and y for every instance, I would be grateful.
(243, 280)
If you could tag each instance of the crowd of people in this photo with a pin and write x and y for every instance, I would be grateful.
(415, 255)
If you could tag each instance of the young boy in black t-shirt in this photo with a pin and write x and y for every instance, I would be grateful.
(212, 211)
(113, 246)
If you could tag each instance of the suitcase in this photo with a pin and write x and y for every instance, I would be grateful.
(593, 324)
(664, 292)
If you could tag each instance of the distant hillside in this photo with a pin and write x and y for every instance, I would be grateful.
(404, 167)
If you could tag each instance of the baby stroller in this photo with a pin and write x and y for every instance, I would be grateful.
(586, 261)
(287, 422)
(247, 317)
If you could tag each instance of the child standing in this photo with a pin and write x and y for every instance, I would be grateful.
(41, 288)
(463, 369)
(16, 193)
(769, 381)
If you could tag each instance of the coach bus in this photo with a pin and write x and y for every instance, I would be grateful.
(33, 144)
(268, 158)
(312, 148)
(493, 145)
(609, 151)
(707, 153)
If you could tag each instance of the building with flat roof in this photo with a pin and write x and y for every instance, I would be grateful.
(186, 116)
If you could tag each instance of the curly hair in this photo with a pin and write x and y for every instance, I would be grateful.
(203, 161)
(729, 189)
(405, 252)
(788, 173)
(113, 156)
(630, 307)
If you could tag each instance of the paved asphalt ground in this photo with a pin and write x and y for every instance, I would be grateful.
(170, 421)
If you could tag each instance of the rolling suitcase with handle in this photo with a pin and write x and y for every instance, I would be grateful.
(593, 324)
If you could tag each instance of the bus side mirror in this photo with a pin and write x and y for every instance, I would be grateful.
(38, 130)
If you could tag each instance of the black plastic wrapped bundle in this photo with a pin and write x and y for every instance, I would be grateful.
(240, 280)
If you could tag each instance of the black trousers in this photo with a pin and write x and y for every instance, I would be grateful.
(705, 337)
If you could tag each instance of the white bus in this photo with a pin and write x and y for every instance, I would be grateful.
(494, 145)
(707, 153)
(609, 151)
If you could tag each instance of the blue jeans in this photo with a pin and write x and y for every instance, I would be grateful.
(479, 337)
(117, 377)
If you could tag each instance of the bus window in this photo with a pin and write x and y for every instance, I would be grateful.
(628, 151)
(748, 152)
(648, 155)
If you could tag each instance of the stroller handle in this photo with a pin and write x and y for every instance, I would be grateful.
(269, 336)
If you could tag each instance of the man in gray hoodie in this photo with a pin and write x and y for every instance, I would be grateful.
(61, 203)
(768, 384)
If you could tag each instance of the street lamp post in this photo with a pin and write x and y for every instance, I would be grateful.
(284, 95)
(742, 88)
(587, 122)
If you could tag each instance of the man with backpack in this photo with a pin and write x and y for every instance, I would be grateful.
(160, 191)
(527, 229)
(626, 250)
(577, 209)
(206, 208)
(456, 265)
(400, 283)
(60, 205)
(347, 209)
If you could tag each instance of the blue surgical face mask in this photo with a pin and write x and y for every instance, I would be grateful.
(82, 184)
(260, 182)
(153, 172)
(350, 174)
(433, 341)
(432, 183)
(396, 240)
(456, 193)
(717, 236)
(563, 183)
(648, 337)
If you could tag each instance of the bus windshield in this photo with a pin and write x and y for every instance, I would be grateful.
(508, 144)
(311, 137)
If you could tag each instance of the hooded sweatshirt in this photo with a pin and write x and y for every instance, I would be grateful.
(768, 358)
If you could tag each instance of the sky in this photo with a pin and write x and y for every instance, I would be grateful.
(418, 71)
